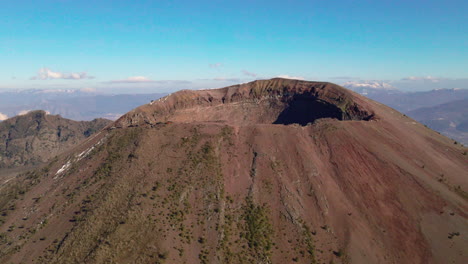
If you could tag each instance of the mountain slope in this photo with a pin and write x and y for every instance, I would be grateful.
(444, 110)
(36, 137)
(451, 119)
(274, 171)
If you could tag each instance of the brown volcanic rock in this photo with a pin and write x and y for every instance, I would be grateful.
(36, 137)
(258, 102)
(220, 183)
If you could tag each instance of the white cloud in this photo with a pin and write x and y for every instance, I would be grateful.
(414, 83)
(224, 79)
(369, 84)
(47, 74)
(143, 81)
(88, 90)
(251, 74)
(344, 78)
(3, 117)
(291, 77)
(423, 78)
(216, 65)
(23, 112)
(134, 79)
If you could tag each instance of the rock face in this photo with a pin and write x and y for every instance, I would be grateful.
(274, 171)
(36, 137)
(277, 101)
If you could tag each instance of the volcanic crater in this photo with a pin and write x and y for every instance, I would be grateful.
(275, 101)
(237, 175)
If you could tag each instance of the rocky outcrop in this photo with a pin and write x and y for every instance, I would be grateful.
(36, 137)
(264, 101)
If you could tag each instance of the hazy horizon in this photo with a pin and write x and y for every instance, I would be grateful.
(154, 47)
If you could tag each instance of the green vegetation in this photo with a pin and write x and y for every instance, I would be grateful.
(90, 131)
(338, 253)
(203, 256)
(227, 133)
(453, 234)
(16, 188)
(258, 230)
(309, 242)
(117, 144)
(461, 192)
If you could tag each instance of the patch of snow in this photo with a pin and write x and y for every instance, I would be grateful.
(23, 112)
(3, 117)
(84, 153)
(64, 168)
(285, 76)
(369, 84)
(7, 180)
(78, 157)
(88, 151)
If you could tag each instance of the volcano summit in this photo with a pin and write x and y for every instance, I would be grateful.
(272, 171)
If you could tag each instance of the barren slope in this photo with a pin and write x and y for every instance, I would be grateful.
(237, 175)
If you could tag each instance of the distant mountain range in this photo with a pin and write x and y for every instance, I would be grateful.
(444, 110)
(72, 104)
(408, 101)
(451, 119)
(88, 105)
(34, 138)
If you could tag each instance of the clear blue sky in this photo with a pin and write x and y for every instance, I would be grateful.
(125, 44)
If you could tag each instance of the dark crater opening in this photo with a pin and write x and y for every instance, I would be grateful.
(304, 109)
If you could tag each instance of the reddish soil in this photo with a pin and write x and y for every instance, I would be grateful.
(247, 174)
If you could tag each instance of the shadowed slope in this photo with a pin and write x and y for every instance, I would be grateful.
(305, 109)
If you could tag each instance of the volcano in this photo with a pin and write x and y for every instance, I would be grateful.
(272, 171)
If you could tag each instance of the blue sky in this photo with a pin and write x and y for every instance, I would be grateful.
(169, 45)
